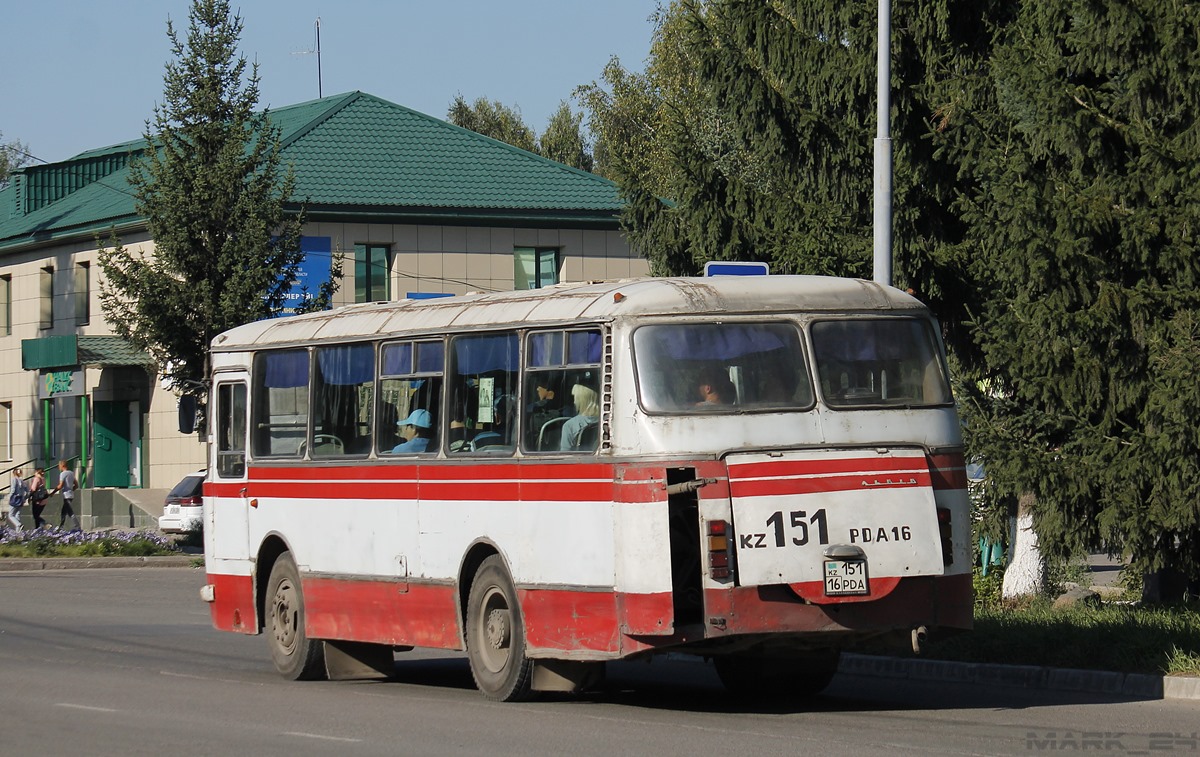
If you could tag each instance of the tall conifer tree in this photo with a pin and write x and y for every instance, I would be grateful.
(212, 190)
(1084, 146)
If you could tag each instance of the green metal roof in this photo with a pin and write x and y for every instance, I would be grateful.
(355, 155)
(71, 350)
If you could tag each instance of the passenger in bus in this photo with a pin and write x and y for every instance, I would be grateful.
(587, 406)
(417, 430)
(715, 388)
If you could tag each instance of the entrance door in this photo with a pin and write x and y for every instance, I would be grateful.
(110, 427)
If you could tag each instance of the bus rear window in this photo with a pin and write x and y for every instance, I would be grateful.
(879, 362)
(721, 367)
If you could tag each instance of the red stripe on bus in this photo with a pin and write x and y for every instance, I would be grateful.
(863, 482)
(828, 465)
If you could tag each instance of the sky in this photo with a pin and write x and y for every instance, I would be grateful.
(80, 75)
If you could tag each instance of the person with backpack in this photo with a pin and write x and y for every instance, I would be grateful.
(38, 494)
(67, 484)
(18, 493)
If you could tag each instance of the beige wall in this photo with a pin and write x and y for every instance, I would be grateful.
(458, 259)
(450, 259)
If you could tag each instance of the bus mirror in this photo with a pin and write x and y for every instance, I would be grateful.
(187, 414)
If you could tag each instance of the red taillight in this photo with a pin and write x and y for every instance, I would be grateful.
(946, 531)
(718, 549)
(196, 501)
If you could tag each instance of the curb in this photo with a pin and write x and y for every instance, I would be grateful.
(1135, 685)
(69, 563)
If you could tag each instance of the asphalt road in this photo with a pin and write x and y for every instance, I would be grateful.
(124, 662)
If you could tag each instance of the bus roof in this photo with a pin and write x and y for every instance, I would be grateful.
(567, 303)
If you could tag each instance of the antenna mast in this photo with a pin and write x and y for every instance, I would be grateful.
(320, 92)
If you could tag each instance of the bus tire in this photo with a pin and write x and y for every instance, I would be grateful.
(758, 676)
(296, 657)
(496, 635)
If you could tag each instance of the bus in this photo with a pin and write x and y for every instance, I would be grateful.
(756, 471)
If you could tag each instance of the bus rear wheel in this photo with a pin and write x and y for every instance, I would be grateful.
(496, 635)
(759, 676)
(296, 656)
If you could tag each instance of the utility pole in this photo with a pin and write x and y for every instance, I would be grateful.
(883, 148)
(320, 92)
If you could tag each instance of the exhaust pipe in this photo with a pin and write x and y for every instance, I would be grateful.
(919, 636)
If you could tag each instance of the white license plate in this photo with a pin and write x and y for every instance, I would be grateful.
(845, 577)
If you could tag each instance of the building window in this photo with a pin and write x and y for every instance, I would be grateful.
(5, 431)
(46, 303)
(372, 268)
(83, 294)
(535, 267)
(5, 305)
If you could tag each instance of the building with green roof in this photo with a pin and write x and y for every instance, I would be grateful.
(417, 206)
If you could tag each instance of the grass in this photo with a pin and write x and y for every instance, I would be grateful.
(54, 542)
(1121, 635)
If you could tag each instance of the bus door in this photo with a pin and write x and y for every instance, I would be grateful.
(837, 525)
(227, 475)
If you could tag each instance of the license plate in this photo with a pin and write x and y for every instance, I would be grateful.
(845, 577)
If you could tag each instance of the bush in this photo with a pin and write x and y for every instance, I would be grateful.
(54, 542)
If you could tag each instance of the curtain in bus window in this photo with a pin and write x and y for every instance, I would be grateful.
(343, 392)
(483, 393)
(484, 354)
(584, 347)
(280, 407)
(285, 369)
(716, 342)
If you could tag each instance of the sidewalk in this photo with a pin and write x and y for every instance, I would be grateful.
(68, 563)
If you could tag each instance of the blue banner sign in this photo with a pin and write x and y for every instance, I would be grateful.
(735, 268)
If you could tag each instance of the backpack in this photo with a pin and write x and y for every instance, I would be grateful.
(20, 490)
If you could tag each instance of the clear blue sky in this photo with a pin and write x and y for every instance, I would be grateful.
(81, 75)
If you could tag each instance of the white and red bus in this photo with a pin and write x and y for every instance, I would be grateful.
(758, 470)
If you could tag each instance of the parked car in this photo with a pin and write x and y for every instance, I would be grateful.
(183, 511)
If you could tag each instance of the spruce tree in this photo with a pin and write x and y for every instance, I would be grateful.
(765, 112)
(1082, 143)
(210, 184)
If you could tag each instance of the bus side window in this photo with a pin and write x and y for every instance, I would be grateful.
(561, 402)
(410, 396)
(231, 430)
(343, 391)
(280, 410)
(483, 393)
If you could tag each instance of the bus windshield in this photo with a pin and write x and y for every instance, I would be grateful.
(721, 367)
(878, 362)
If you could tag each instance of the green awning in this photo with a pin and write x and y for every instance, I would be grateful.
(73, 350)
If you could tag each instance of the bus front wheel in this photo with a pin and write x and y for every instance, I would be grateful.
(763, 676)
(296, 656)
(496, 635)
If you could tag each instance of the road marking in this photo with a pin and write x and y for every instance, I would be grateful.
(322, 737)
(84, 707)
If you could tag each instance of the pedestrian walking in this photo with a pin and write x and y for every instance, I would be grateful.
(38, 494)
(18, 493)
(67, 484)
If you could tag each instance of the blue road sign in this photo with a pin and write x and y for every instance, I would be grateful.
(735, 268)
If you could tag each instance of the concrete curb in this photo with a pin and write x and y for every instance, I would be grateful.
(69, 563)
(1136, 685)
